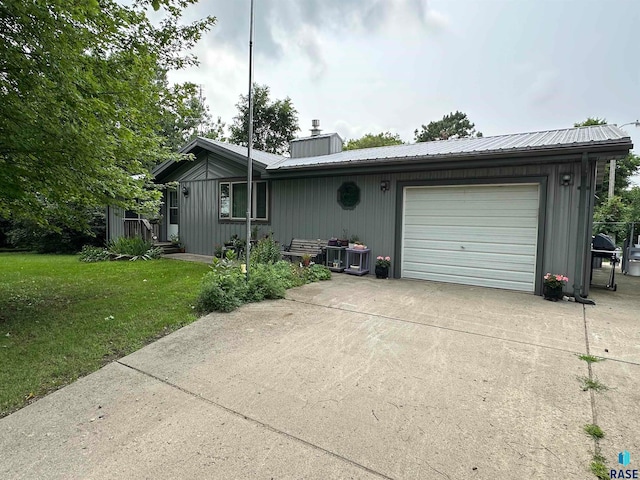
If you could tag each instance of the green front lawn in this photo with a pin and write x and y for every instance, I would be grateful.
(61, 318)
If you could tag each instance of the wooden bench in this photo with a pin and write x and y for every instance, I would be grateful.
(300, 247)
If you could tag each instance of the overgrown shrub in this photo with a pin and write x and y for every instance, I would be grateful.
(265, 283)
(91, 253)
(225, 287)
(266, 251)
(133, 246)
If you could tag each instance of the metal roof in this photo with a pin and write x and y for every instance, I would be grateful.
(550, 140)
(320, 135)
(258, 155)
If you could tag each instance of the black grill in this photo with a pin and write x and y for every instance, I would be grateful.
(603, 242)
(603, 246)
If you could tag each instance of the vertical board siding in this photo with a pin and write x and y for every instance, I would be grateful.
(308, 208)
(115, 222)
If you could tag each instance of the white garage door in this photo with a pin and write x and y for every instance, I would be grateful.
(482, 235)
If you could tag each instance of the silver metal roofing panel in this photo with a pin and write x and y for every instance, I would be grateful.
(520, 142)
(258, 155)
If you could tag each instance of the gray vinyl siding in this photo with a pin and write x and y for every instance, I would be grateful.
(115, 223)
(314, 146)
(206, 167)
(308, 208)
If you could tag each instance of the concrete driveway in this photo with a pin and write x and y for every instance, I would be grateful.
(353, 378)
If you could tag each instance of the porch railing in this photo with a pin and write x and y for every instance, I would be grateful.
(142, 228)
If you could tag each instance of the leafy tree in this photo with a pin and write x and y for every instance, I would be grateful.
(275, 123)
(185, 115)
(625, 168)
(591, 121)
(80, 103)
(610, 218)
(370, 140)
(454, 125)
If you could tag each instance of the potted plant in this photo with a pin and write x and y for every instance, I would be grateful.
(306, 260)
(382, 266)
(553, 284)
(353, 240)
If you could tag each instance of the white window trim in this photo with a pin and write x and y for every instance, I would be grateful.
(254, 201)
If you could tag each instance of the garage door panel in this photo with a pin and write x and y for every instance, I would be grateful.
(476, 235)
(495, 208)
(446, 246)
(479, 273)
(453, 195)
(475, 281)
(501, 261)
(460, 235)
(517, 220)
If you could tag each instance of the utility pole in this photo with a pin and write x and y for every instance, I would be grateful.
(249, 145)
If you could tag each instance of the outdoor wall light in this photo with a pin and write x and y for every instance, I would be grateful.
(385, 185)
(565, 179)
(185, 191)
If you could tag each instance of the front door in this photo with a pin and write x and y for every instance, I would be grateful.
(172, 226)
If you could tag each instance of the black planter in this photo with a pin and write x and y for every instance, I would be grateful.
(382, 272)
(553, 293)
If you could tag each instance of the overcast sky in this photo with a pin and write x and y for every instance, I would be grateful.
(375, 65)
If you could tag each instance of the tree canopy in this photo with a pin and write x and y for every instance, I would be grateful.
(612, 215)
(184, 115)
(275, 123)
(454, 125)
(625, 167)
(80, 102)
(370, 140)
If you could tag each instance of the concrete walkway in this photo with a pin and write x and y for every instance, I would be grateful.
(353, 378)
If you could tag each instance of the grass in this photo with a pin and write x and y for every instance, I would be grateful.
(599, 467)
(591, 358)
(592, 384)
(61, 318)
(594, 430)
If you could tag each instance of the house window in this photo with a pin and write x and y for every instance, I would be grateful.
(173, 207)
(233, 201)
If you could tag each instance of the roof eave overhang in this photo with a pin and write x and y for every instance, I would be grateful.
(198, 145)
(610, 150)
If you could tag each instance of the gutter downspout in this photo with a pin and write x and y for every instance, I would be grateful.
(582, 233)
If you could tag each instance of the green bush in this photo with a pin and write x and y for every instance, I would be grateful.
(266, 251)
(134, 246)
(225, 287)
(318, 273)
(264, 282)
(90, 253)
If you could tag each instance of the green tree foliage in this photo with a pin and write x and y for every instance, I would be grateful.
(185, 115)
(591, 121)
(80, 103)
(454, 125)
(612, 215)
(370, 140)
(275, 123)
(610, 218)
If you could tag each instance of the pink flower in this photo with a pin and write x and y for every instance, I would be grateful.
(388, 259)
(379, 258)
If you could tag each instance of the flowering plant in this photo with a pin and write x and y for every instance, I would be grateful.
(383, 261)
(555, 281)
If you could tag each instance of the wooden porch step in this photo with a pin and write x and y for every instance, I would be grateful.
(167, 247)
